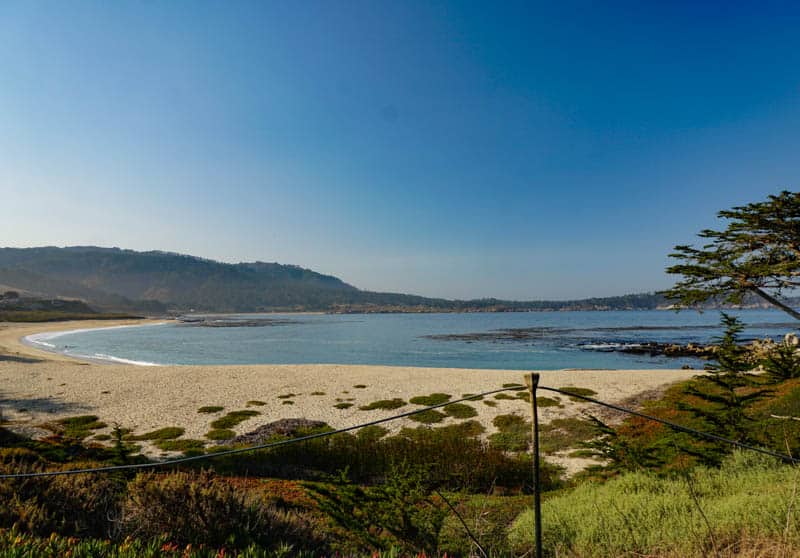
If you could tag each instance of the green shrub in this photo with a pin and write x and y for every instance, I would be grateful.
(547, 402)
(371, 433)
(179, 445)
(78, 427)
(782, 362)
(432, 399)
(578, 391)
(210, 409)
(468, 428)
(385, 404)
(428, 417)
(457, 459)
(168, 433)
(565, 433)
(220, 434)
(255, 403)
(514, 433)
(400, 512)
(641, 513)
(198, 508)
(460, 411)
(233, 418)
(74, 505)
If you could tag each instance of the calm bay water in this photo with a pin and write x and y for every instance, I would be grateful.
(561, 339)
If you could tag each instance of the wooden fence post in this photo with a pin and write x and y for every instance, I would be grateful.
(532, 381)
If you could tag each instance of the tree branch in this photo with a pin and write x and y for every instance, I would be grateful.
(772, 300)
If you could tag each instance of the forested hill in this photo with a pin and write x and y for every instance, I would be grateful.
(156, 282)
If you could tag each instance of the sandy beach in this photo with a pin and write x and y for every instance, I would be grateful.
(146, 398)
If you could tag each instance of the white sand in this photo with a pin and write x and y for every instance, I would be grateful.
(146, 398)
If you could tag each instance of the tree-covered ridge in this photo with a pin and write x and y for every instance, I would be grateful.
(155, 282)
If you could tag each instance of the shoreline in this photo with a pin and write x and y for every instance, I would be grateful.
(38, 341)
(143, 398)
(13, 336)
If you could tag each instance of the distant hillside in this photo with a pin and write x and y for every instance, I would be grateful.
(16, 308)
(112, 279)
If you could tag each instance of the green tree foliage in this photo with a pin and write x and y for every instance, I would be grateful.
(758, 254)
(721, 402)
(402, 511)
(724, 395)
(782, 362)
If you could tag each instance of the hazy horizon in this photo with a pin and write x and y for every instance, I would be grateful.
(526, 151)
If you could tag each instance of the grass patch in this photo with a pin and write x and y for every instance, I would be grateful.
(371, 433)
(548, 402)
(288, 403)
(385, 404)
(460, 411)
(210, 409)
(232, 419)
(472, 396)
(288, 395)
(490, 403)
(432, 399)
(168, 433)
(586, 392)
(430, 416)
(179, 445)
(468, 428)
(565, 433)
(505, 396)
(317, 393)
(255, 403)
(514, 433)
(220, 434)
(360, 386)
(520, 386)
(644, 514)
(343, 405)
(80, 426)
(524, 395)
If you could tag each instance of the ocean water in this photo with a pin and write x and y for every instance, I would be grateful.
(555, 339)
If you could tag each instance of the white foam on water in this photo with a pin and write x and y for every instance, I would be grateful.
(111, 358)
(41, 340)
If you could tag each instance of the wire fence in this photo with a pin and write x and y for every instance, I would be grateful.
(533, 387)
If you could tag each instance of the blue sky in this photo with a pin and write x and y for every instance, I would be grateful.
(518, 150)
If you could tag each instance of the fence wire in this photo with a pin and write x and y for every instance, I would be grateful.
(234, 451)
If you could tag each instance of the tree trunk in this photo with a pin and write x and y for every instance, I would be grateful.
(775, 302)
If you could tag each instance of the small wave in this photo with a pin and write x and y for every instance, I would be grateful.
(610, 346)
(42, 339)
(111, 358)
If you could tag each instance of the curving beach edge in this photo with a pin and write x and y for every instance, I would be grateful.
(37, 386)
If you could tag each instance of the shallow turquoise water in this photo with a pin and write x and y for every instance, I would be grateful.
(561, 339)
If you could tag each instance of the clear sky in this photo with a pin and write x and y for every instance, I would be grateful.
(519, 150)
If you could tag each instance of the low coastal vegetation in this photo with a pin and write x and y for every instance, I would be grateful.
(233, 418)
(651, 491)
(432, 399)
(384, 404)
(210, 409)
(746, 503)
